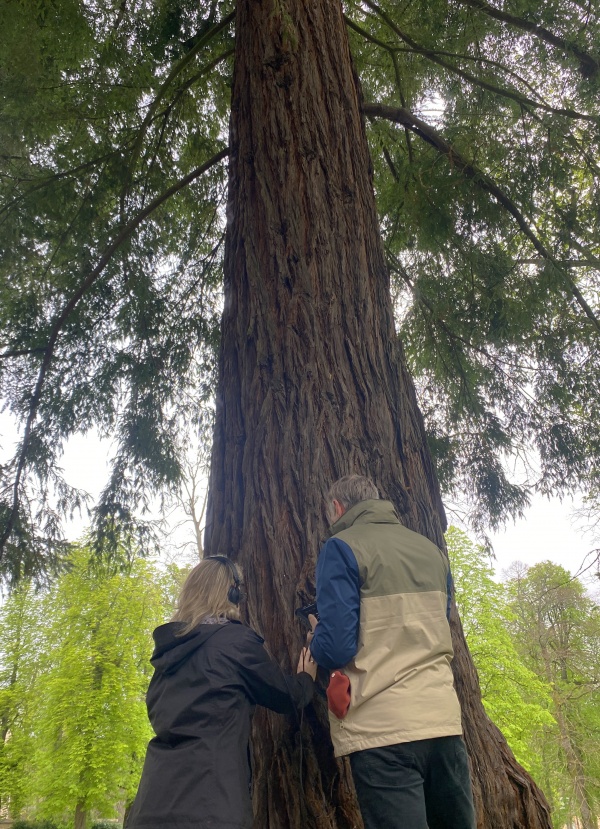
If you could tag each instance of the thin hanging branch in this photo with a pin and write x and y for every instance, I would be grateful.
(407, 119)
(165, 114)
(588, 65)
(396, 266)
(191, 81)
(564, 263)
(64, 315)
(20, 352)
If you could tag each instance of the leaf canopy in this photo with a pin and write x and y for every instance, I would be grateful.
(483, 122)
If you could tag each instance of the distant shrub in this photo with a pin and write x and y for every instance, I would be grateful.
(50, 824)
(35, 824)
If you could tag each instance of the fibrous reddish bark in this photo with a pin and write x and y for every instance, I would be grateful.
(313, 385)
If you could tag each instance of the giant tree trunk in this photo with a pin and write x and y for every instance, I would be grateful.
(313, 385)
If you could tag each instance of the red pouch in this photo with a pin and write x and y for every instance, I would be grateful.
(338, 694)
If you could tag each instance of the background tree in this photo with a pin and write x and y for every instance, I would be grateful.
(79, 730)
(517, 698)
(185, 510)
(20, 650)
(114, 155)
(557, 628)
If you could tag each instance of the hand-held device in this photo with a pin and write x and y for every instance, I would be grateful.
(303, 613)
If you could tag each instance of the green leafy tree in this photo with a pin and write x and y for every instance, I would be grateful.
(516, 698)
(557, 629)
(91, 723)
(85, 726)
(21, 629)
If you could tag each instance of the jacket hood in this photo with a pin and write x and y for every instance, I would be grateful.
(172, 651)
(375, 511)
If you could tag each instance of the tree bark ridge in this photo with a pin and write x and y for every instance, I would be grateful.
(313, 384)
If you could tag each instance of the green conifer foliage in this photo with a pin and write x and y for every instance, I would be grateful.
(483, 126)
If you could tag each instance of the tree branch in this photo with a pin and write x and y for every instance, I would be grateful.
(165, 114)
(175, 71)
(394, 50)
(201, 72)
(390, 164)
(564, 263)
(407, 119)
(57, 177)
(514, 94)
(588, 65)
(396, 266)
(61, 319)
(20, 352)
(367, 35)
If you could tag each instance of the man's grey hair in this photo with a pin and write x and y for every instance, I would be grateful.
(351, 490)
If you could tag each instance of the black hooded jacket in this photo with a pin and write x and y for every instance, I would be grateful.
(200, 701)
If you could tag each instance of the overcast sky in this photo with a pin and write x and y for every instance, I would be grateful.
(547, 532)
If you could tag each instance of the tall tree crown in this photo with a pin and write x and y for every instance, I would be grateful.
(483, 125)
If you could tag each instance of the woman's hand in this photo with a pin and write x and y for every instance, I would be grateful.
(306, 663)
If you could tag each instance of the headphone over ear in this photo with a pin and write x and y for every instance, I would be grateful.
(234, 593)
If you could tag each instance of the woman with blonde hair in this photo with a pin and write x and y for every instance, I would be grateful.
(210, 671)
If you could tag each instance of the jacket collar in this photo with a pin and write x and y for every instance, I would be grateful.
(366, 512)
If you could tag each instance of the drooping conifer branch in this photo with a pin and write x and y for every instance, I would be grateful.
(511, 94)
(588, 65)
(436, 319)
(73, 171)
(165, 114)
(478, 59)
(61, 319)
(427, 133)
(205, 70)
(163, 89)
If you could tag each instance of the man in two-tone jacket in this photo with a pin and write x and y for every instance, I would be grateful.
(383, 598)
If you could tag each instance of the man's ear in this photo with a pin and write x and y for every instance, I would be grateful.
(339, 509)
